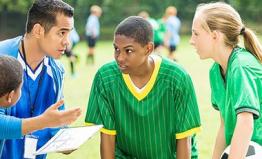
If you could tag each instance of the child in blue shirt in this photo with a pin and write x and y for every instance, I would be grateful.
(11, 80)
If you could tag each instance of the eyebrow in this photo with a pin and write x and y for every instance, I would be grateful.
(130, 45)
(65, 29)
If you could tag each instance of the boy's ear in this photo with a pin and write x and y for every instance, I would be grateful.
(150, 47)
(10, 96)
(38, 30)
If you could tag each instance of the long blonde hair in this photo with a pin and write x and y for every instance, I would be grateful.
(224, 18)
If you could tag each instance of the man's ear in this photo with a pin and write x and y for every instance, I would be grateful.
(10, 96)
(150, 47)
(38, 30)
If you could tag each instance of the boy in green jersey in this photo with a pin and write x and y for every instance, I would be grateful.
(147, 104)
(235, 77)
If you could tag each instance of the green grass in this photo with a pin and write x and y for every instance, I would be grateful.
(76, 92)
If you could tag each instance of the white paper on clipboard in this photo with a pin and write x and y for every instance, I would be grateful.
(68, 139)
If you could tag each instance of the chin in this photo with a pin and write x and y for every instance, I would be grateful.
(202, 57)
(58, 56)
(124, 71)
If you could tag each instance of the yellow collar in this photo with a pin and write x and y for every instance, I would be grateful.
(148, 87)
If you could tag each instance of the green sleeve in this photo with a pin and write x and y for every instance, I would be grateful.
(244, 91)
(188, 119)
(99, 110)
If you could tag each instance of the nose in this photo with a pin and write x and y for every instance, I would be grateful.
(120, 57)
(191, 41)
(66, 41)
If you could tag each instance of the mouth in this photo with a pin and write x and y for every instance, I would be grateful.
(62, 51)
(122, 67)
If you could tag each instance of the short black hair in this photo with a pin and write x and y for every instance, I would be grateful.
(11, 74)
(137, 28)
(44, 12)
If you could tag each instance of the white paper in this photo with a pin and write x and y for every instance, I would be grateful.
(68, 139)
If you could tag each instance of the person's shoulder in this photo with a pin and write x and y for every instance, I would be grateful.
(10, 46)
(56, 65)
(172, 69)
(109, 69)
(92, 17)
(242, 58)
(172, 66)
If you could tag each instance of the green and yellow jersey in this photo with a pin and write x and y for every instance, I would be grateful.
(146, 122)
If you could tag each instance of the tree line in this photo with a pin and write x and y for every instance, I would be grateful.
(13, 12)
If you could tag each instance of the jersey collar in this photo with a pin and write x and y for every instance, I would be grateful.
(139, 95)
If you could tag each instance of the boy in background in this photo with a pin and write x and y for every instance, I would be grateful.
(92, 31)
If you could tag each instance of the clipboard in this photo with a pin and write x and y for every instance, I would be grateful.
(67, 139)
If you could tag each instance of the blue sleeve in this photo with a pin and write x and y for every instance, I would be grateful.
(11, 127)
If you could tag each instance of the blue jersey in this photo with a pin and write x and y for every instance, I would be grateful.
(173, 25)
(41, 88)
(92, 26)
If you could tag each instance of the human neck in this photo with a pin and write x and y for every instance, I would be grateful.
(141, 77)
(33, 53)
(145, 69)
(222, 57)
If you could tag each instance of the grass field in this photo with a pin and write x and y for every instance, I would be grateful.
(76, 92)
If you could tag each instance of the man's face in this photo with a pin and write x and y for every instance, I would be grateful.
(54, 42)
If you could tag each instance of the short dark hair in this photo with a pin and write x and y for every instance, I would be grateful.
(44, 12)
(137, 28)
(11, 74)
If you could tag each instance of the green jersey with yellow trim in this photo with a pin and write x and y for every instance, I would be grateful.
(239, 91)
(146, 122)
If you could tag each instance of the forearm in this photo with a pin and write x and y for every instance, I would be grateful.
(184, 148)
(107, 147)
(220, 143)
(32, 124)
(242, 136)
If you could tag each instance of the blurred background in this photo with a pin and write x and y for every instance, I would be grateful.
(13, 13)
(77, 88)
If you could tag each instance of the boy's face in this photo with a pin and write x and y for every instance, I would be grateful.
(54, 42)
(129, 54)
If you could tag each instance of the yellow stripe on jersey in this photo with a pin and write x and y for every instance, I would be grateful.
(108, 132)
(89, 124)
(141, 95)
(187, 133)
(103, 130)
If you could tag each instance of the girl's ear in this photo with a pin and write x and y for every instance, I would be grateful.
(10, 96)
(216, 35)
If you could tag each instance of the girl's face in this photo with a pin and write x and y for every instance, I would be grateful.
(201, 39)
(129, 54)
